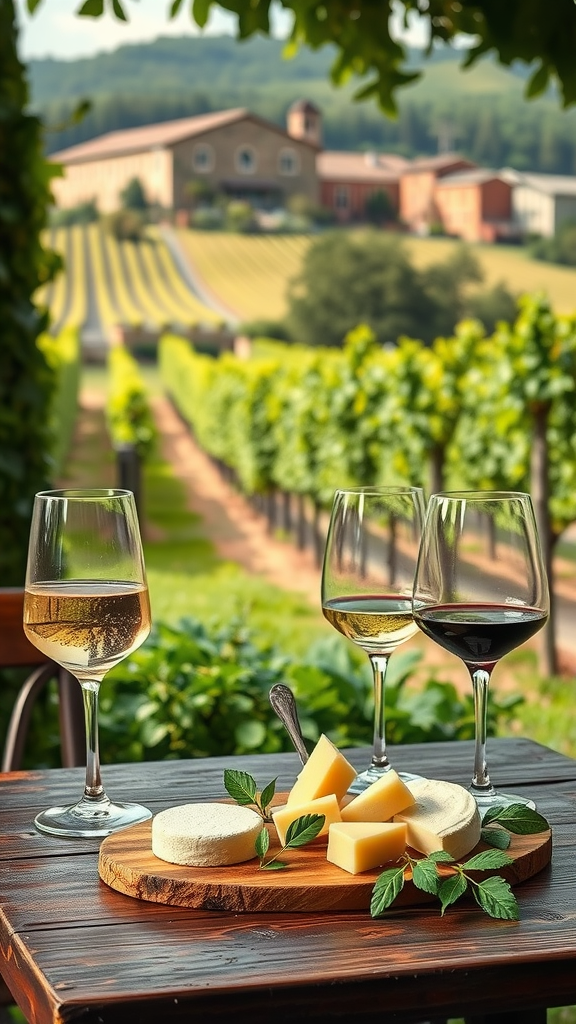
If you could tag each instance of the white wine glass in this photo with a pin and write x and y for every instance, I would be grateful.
(480, 604)
(86, 607)
(367, 577)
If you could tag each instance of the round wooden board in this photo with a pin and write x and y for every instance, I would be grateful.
(311, 883)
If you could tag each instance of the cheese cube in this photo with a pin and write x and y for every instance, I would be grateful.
(381, 801)
(444, 817)
(326, 771)
(357, 846)
(326, 805)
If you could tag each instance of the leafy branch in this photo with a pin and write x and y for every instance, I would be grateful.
(493, 894)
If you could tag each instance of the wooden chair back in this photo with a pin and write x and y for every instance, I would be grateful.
(15, 647)
(16, 651)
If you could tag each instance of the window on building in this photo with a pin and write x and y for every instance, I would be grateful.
(288, 161)
(245, 160)
(341, 197)
(203, 158)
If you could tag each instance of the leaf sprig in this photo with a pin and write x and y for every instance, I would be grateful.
(242, 787)
(301, 831)
(493, 894)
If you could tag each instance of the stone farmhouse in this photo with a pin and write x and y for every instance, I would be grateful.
(232, 151)
(246, 157)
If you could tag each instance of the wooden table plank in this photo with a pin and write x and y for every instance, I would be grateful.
(77, 950)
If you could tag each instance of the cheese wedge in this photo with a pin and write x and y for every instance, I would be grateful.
(381, 801)
(326, 771)
(205, 835)
(326, 805)
(357, 846)
(444, 817)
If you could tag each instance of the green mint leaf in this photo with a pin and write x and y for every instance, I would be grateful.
(262, 843)
(425, 875)
(495, 897)
(451, 890)
(517, 818)
(267, 794)
(441, 857)
(487, 860)
(388, 885)
(274, 865)
(303, 830)
(496, 837)
(240, 786)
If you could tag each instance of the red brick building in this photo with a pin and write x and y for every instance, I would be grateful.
(418, 208)
(348, 180)
(475, 205)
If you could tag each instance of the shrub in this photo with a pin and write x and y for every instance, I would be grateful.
(196, 691)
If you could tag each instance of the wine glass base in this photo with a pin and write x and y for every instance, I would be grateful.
(90, 820)
(493, 798)
(372, 774)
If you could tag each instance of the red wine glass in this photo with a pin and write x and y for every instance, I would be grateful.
(480, 590)
(368, 572)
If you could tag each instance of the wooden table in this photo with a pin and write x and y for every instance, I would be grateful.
(72, 949)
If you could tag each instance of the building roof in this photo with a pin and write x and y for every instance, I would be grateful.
(551, 184)
(153, 136)
(477, 176)
(440, 162)
(362, 167)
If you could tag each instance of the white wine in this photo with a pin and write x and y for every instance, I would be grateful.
(377, 624)
(87, 626)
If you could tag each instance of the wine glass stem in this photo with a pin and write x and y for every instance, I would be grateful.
(379, 667)
(480, 684)
(93, 789)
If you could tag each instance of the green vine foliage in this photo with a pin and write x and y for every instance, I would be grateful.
(26, 380)
(311, 420)
(63, 356)
(128, 413)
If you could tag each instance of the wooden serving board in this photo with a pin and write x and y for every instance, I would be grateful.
(311, 883)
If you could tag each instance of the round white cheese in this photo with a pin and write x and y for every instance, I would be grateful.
(444, 817)
(205, 835)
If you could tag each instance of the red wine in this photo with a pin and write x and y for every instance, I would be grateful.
(377, 624)
(480, 634)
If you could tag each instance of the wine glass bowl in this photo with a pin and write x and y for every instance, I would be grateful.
(367, 577)
(480, 590)
(86, 607)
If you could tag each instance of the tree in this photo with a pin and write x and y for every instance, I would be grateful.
(536, 32)
(347, 280)
(133, 197)
(368, 278)
(26, 380)
(380, 208)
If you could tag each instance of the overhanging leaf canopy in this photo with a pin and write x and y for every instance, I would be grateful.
(538, 33)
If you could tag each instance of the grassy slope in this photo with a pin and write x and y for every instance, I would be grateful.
(238, 268)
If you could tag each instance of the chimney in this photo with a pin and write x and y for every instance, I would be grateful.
(304, 122)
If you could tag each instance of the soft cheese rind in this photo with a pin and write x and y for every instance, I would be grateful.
(205, 835)
(444, 817)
